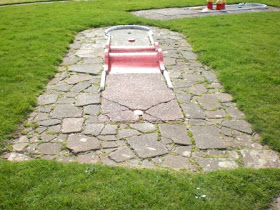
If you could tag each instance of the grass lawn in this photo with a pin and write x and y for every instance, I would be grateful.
(244, 50)
(51, 185)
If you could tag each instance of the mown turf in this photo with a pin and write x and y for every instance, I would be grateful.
(51, 185)
(242, 48)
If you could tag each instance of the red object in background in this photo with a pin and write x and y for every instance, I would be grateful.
(219, 6)
(223, 6)
(210, 5)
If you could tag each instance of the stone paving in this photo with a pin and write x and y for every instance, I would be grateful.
(190, 12)
(69, 123)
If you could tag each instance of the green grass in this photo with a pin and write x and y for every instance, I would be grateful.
(50, 185)
(242, 48)
(243, 51)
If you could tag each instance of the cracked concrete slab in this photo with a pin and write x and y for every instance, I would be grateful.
(146, 92)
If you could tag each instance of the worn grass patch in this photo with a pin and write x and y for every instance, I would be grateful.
(51, 185)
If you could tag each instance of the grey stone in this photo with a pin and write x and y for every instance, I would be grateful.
(14, 156)
(92, 109)
(86, 68)
(65, 101)
(54, 129)
(143, 127)
(240, 125)
(235, 113)
(72, 125)
(166, 111)
(189, 55)
(91, 157)
(62, 87)
(183, 97)
(109, 144)
(87, 99)
(41, 116)
(197, 89)
(81, 143)
(223, 97)
(213, 164)
(226, 131)
(207, 137)
(260, 158)
(215, 114)
(210, 76)
(176, 132)
(109, 130)
(175, 162)
(209, 102)
(107, 137)
(150, 90)
(92, 89)
(124, 133)
(193, 111)
(66, 111)
(109, 106)
(80, 86)
(23, 139)
(49, 148)
(47, 99)
(44, 109)
(71, 94)
(147, 145)
(70, 60)
(19, 147)
(122, 154)
(41, 130)
(147, 164)
(93, 129)
(47, 136)
(65, 159)
(74, 79)
(184, 151)
(123, 116)
(96, 60)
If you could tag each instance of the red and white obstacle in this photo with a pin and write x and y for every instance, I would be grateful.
(133, 59)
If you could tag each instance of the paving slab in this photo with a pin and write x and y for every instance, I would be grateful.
(207, 137)
(72, 125)
(81, 143)
(49, 148)
(176, 132)
(240, 125)
(213, 164)
(147, 145)
(176, 162)
(260, 159)
(144, 127)
(86, 68)
(66, 111)
(122, 154)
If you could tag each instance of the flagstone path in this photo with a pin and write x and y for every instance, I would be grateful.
(70, 123)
